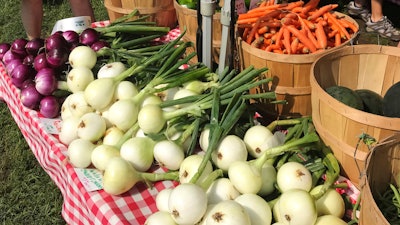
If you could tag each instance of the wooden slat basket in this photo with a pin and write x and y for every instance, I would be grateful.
(290, 73)
(161, 11)
(372, 67)
(382, 169)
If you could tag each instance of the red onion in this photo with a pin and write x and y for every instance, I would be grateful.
(12, 64)
(34, 46)
(71, 36)
(28, 60)
(30, 97)
(18, 47)
(46, 81)
(56, 40)
(49, 106)
(28, 82)
(57, 57)
(4, 47)
(40, 62)
(9, 56)
(20, 74)
(99, 44)
(89, 36)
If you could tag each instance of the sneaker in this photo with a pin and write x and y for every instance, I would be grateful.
(356, 11)
(384, 27)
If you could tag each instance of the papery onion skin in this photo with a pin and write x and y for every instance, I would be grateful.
(46, 81)
(20, 74)
(89, 36)
(34, 46)
(40, 62)
(18, 47)
(55, 41)
(57, 57)
(30, 97)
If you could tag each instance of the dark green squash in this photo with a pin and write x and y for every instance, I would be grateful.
(373, 102)
(391, 101)
(346, 96)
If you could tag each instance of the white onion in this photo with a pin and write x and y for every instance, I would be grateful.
(187, 203)
(160, 217)
(78, 78)
(77, 104)
(245, 177)
(329, 220)
(293, 175)
(119, 176)
(330, 203)
(296, 206)
(254, 137)
(82, 56)
(162, 199)
(65, 112)
(230, 149)
(151, 119)
(99, 94)
(221, 189)
(80, 153)
(182, 93)
(204, 139)
(123, 114)
(69, 130)
(102, 154)
(91, 127)
(125, 90)
(139, 152)
(168, 154)
(256, 207)
(151, 99)
(111, 69)
(228, 212)
(112, 136)
(190, 166)
(268, 176)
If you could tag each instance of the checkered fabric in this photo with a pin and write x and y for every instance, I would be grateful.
(79, 206)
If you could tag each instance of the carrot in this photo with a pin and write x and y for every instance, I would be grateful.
(263, 3)
(257, 42)
(271, 23)
(278, 37)
(253, 32)
(312, 38)
(272, 47)
(321, 36)
(292, 5)
(252, 15)
(290, 21)
(264, 8)
(309, 6)
(245, 33)
(322, 10)
(248, 20)
(348, 24)
(332, 33)
(286, 39)
(294, 45)
(302, 37)
(336, 23)
(338, 39)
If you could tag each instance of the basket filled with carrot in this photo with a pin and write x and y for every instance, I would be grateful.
(287, 38)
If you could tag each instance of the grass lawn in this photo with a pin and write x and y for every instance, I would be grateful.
(27, 194)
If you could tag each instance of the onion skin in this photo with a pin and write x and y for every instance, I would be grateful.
(30, 97)
(228, 212)
(329, 220)
(49, 106)
(293, 175)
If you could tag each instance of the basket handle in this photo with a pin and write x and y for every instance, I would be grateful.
(383, 144)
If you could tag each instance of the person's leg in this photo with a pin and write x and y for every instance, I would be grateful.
(82, 8)
(376, 10)
(32, 17)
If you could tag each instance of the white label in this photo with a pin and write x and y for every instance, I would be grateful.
(52, 126)
(91, 179)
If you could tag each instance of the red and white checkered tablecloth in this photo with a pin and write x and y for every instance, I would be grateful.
(79, 206)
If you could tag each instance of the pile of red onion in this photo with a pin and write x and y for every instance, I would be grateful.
(36, 66)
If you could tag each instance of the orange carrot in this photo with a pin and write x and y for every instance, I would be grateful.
(309, 6)
(252, 15)
(264, 8)
(272, 47)
(278, 37)
(332, 33)
(336, 23)
(322, 10)
(253, 32)
(312, 38)
(294, 45)
(292, 5)
(248, 20)
(338, 39)
(286, 39)
(348, 24)
(302, 37)
(321, 36)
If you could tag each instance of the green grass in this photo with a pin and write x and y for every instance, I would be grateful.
(27, 194)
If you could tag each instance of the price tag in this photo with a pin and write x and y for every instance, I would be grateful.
(52, 126)
(91, 179)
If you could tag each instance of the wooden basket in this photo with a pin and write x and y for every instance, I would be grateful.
(370, 67)
(382, 168)
(290, 73)
(161, 11)
(187, 19)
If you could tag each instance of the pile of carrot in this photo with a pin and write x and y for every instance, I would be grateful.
(294, 27)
